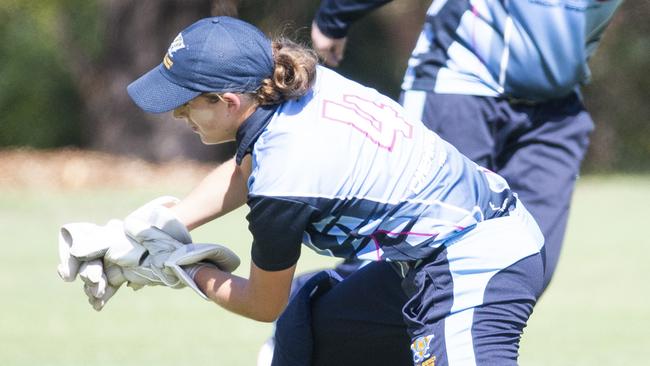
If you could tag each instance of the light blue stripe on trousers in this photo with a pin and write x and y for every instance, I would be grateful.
(473, 262)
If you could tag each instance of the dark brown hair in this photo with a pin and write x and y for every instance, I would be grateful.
(294, 74)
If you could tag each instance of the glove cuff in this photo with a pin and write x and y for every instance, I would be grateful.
(193, 269)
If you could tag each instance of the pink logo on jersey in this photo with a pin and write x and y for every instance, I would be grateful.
(379, 122)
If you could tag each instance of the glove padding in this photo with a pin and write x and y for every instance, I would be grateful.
(97, 284)
(156, 214)
(167, 255)
(147, 249)
(90, 250)
(201, 254)
(169, 266)
(84, 242)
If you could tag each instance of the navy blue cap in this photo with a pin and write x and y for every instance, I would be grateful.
(218, 54)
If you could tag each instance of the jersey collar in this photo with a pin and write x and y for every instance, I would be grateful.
(252, 128)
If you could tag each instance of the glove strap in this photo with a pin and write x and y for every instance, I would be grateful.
(193, 269)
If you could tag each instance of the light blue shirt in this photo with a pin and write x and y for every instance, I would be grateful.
(345, 172)
(529, 49)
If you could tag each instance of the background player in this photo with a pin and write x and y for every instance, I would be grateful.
(328, 162)
(500, 81)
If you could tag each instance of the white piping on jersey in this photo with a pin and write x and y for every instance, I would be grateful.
(435, 7)
(422, 45)
(505, 56)
(414, 101)
(325, 252)
(390, 202)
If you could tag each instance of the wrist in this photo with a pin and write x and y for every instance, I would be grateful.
(329, 27)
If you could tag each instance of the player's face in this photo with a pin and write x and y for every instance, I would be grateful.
(209, 117)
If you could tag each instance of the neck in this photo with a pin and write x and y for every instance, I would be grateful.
(247, 109)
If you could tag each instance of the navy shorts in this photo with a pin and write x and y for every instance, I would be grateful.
(536, 147)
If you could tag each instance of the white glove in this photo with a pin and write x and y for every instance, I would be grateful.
(124, 259)
(159, 246)
(170, 267)
(96, 284)
(157, 229)
(165, 256)
(186, 261)
(81, 248)
(147, 249)
(157, 214)
(84, 242)
(92, 275)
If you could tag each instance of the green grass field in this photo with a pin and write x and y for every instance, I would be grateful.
(596, 311)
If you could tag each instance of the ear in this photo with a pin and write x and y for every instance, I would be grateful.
(234, 101)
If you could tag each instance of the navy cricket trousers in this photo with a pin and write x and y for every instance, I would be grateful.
(466, 305)
(536, 147)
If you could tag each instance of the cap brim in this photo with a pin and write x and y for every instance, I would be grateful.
(154, 93)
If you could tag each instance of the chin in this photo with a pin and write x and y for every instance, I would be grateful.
(206, 141)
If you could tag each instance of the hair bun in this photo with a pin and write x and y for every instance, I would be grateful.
(294, 73)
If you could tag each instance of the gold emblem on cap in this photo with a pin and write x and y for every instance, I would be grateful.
(167, 61)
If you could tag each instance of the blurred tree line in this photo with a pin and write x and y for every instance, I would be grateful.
(65, 65)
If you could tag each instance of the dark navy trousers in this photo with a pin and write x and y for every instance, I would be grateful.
(466, 305)
(536, 147)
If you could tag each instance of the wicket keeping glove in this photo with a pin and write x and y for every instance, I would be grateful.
(157, 215)
(102, 280)
(95, 253)
(84, 242)
(97, 284)
(81, 242)
(188, 259)
(166, 255)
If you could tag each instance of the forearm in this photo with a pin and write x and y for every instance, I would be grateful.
(219, 193)
(227, 290)
(259, 298)
(334, 17)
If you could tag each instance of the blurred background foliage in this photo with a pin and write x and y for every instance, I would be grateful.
(65, 64)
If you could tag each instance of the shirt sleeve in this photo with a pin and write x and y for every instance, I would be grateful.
(334, 17)
(277, 225)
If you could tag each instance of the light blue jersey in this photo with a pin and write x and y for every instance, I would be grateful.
(529, 49)
(345, 172)
(492, 48)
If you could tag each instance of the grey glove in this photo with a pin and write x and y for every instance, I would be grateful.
(166, 255)
(84, 242)
(188, 259)
(82, 245)
(147, 249)
(156, 214)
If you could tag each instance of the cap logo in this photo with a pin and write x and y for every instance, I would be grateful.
(168, 62)
(176, 45)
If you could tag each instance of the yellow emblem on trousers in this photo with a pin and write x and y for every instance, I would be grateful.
(430, 362)
(421, 350)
